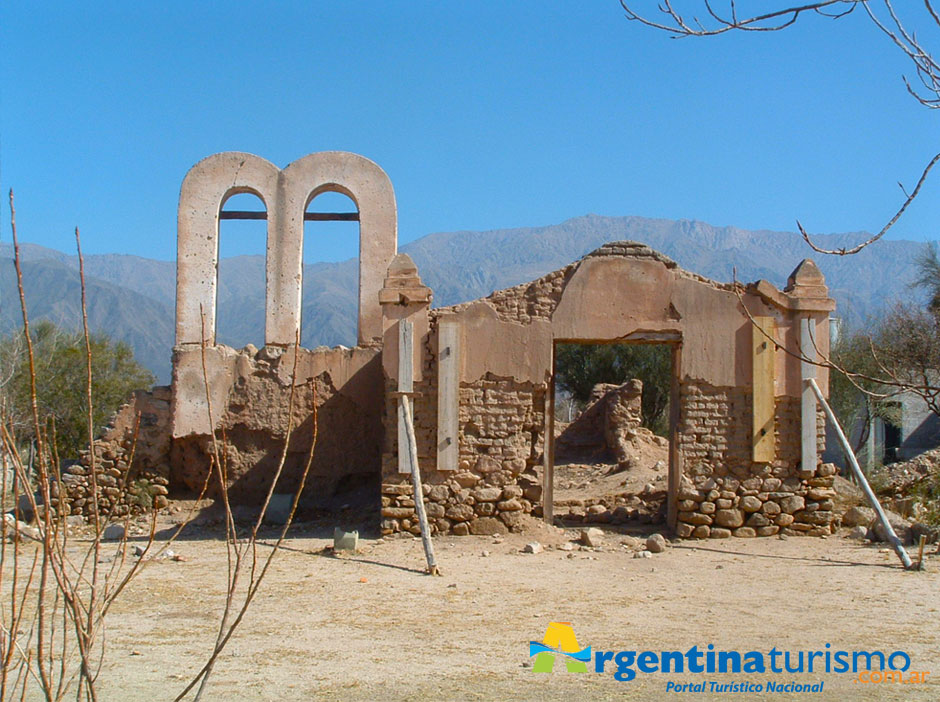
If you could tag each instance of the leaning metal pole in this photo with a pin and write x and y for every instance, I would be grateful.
(860, 477)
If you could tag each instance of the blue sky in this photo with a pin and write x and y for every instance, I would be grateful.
(485, 116)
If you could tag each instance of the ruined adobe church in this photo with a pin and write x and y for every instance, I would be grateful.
(745, 431)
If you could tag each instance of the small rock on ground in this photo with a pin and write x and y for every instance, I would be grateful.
(592, 536)
(113, 532)
(656, 543)
(858, 533)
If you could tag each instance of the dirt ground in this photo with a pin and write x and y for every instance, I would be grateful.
(371, 625)
(576, 480)
(586, 476)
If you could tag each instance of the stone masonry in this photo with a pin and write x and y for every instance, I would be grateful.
(743, 455)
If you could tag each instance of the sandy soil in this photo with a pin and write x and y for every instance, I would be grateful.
(582, 476)
(372, 626)
(583, 481)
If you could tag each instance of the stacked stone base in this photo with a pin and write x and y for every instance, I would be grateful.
(724, 507)
(119, 492)
(130, 463)
(645, 508)
(462, 505)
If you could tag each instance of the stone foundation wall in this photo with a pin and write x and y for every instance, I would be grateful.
(131, 463)
(756, 506)
(723, 492)
(498, 479)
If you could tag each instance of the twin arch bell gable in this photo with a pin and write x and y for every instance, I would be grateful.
(286, 193)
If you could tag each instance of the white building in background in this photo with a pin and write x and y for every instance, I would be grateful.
(918, 428)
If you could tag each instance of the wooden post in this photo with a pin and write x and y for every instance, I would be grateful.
(406, 374)
(419, 491)
(762, 353)
(675, 459)
(407, 443)
(548, 452)
(809, 448)
(448, 392)
(920, 552)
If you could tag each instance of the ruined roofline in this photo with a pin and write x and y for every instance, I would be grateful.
(620, 249)
(636, 249)
(630, 249)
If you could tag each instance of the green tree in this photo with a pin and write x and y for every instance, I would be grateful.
(928, 268)
(857, 402)
(905, 345)
(61, 380)
(579, 367)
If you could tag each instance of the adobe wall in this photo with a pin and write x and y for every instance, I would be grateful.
(241, 397)
(249, 390)
(622, 292)
(480, 376)
(252, 389)
(137, 467)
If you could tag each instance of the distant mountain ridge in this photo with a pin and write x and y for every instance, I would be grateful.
(133, 298)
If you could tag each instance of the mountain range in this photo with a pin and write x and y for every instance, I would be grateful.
(132, 298)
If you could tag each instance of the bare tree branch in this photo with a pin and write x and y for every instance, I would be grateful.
(855, 249)
(889, 23)
(777, 19)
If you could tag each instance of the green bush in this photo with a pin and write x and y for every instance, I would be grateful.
(579, 367)
(61, 383)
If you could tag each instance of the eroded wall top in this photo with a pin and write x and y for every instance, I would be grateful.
(625, 291)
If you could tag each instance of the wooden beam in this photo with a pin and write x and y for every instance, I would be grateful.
(308, 216)
(448, 393)
(411, 449)
(762, 353)
(406, 372)
(809, 449)
(860, 476)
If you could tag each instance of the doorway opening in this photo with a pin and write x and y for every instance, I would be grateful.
(614, 416)
(893, 434)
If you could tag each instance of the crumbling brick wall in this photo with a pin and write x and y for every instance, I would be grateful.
(340, 387)
(497, 480)
(607, 424)
(623, 291)
(723, 492)
(718, 491)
